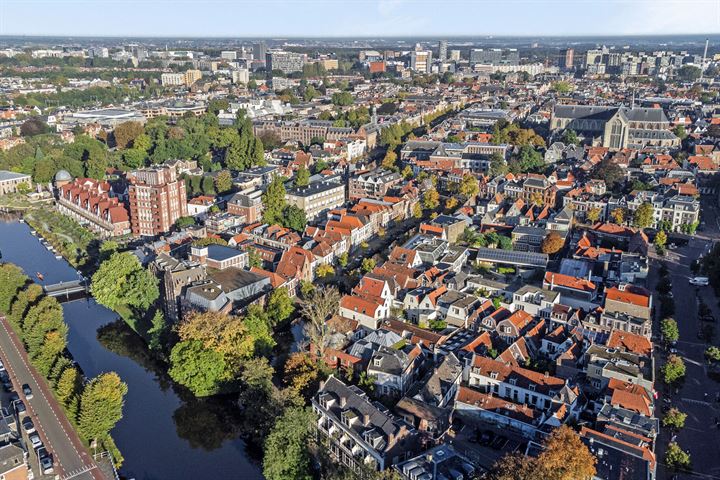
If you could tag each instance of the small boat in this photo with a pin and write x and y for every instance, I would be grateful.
(40, 276)
(59, 257)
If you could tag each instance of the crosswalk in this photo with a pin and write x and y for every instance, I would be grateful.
(78, 472)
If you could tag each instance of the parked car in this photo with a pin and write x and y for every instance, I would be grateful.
(2, 366)
(20, 407)
(28, 425)
(35, 440)
(700, 281)
(27, 391)
(46, 462)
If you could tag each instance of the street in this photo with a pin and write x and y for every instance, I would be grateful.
(697, 395)
(71, 459)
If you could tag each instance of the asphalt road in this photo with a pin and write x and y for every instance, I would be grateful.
(697, 394)
(71, 459)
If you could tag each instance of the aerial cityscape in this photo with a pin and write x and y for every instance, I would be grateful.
(360, 239)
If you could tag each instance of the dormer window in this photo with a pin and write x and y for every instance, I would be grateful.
(377, 361)
(493, 375)
(513, 381)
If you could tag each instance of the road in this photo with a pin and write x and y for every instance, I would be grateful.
(71, 458)
(700, 437)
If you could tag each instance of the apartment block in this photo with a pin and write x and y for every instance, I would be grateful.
(157, 200)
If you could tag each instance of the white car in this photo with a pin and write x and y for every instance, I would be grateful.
(35, 440)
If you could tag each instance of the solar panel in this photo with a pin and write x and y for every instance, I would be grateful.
(513, 257)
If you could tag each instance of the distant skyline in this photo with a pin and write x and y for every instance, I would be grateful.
(362, 18)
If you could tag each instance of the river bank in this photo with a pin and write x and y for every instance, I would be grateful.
(165, 432)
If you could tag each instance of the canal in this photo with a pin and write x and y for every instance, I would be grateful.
(165, 433)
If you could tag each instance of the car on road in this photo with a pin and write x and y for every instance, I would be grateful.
(46, 462)
(35, 440)
(20, 407)
(28, 425)
(27, 391)
(700, 281)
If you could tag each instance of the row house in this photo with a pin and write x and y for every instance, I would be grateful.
(89, 203)
(374, 184)
(539, 391)
(360, 433)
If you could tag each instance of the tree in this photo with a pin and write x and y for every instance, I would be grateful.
(451, 203)
(254, 258)
(33, 126)
(676, 458)
(390, 160)
(200, 369)
(498, 165)
(669, 330)
(643, 217)
(223, 182)
(593, 215)
(343, 259)
(342, 99)
(569, 137)
(530, 159)
(302, 373)
(674, 418)
(368, 264)
(184, 222)
(609, 171)
(712, 354)
(302, 177)
(552, 243)
(280, 306)
(431, 199)
(287, 454)
(68, 385)
(689, 73)
(101, 406)
(417, 210)
(157, 330)
(469, 186)
(565, 457)
(125, 133)
(121, 280)
(660, 239)
(317, 306)
(618, 215)
(12, 279)
(274, 201)
(294, 218)
(407, 172)
(208, 185)
(324, 269)
(680, 132)
(674, 369)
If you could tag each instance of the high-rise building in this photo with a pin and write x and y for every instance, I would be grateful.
(494, 56)
(259, 51)
(567, 58)
(442, 50)
(229, 55)
(455, 55)
(157, 200)
(286, 62)
(192, 76)
(420, 61)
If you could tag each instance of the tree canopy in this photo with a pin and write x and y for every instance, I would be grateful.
(121, 280)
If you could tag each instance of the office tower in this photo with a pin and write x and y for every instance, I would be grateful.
(286, 62)
(494, 56)
(157, 200)
(420, 61)
(455, 55)
(442, 50)
(567, 57)
(259, 51)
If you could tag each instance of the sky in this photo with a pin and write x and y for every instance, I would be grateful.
(366, 18)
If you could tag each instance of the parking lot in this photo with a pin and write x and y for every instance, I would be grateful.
(23, 425)
(484, 443)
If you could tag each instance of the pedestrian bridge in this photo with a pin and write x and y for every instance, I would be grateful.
(66, 291)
